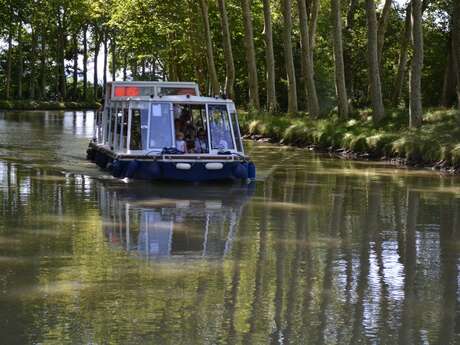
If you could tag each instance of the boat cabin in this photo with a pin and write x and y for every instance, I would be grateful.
(167, 131)
(150, 118)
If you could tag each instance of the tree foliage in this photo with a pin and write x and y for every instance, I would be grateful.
(48, 47)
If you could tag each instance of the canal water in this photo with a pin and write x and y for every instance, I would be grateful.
(317, 251)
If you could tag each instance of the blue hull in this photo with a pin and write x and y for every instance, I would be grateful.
(168, 170)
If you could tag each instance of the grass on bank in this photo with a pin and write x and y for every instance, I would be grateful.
(437, 142)
(44, 105)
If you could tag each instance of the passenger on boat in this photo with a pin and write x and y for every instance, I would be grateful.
(223, 144)
(178, 125)
(180, 142)
(190, 135)
(201, 142)
(220, 138)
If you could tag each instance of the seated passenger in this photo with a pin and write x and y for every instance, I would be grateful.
(180, 142)
(190, 134)
(178, 125)
(220, 142)
(201, 142)
(223, 144)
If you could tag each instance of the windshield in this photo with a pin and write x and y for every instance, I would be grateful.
(220, 128)
(160, 126)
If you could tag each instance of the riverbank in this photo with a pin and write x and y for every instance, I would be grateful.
(47, 105)
(436, 144)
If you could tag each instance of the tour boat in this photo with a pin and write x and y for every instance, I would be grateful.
(167, 131)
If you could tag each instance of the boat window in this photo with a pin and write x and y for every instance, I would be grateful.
(147, 91)
(236, 131)
(190, 121)
(219, 125)
(118, 128)
(139, 125)
(112, 125)
(173, 91)
(160, 126)
(201, 143)
(124, 128)
(108, 126)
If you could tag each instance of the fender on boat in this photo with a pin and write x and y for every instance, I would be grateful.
(131, 169)
(117, 169)
(240, 171)
(251, 171)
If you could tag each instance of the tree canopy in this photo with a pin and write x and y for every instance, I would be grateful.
(48, 46)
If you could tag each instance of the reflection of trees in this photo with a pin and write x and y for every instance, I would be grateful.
(257, 319)
(449, 238)
(294, 309)
(407, 334)
(280, 249)
(309, 264)
(368, 229)
(335, 223)
(231, 295)
(33, 203)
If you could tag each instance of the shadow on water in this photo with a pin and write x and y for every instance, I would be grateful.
(320, 252)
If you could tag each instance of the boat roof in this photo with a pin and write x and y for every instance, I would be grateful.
(183, 99)
(154, 83)
(149, 89)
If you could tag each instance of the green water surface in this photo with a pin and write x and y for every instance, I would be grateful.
(317, 251)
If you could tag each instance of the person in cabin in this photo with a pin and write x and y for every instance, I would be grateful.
(181, 145)
(223, 143)
(190, 135)
(178, 125)
(201, 142)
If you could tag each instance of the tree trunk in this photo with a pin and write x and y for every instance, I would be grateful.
(340, 87)
(143, 68)
(97, 47)
(403, 57)
(75, 66)
(153, 70)
(20, 63)
(250, 55)
(450, 79)
(195, 39)
(215, 87)
(228, 53)
(272, 104)
(63, 83)
(9, 63)
(60, 55)
(456, 45)
(85, 63)
(104, 72)
(308, 71)
(374, 70)
(41, 89)
(348, 49)
(288, 57)
(313, 24)
(416, 111)
(134, 69)
(33, 50)
(125, 66)
(114, 57)
(383, 24)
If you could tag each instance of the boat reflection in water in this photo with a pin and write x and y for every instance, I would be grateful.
(163, 222)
